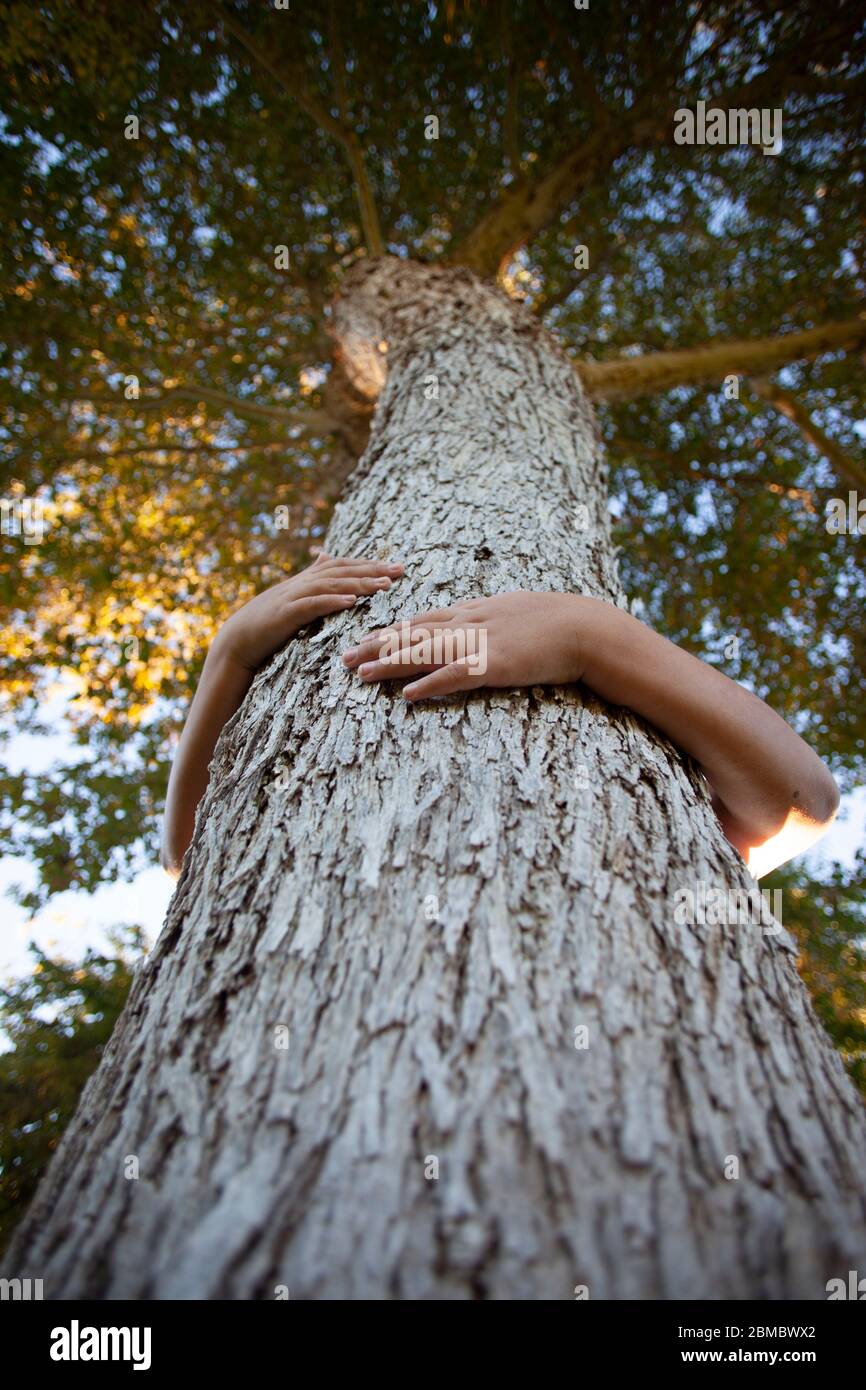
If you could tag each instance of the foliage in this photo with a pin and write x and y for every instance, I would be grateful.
(828, 919)
(58, 1021)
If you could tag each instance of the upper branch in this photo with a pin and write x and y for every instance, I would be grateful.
(296, 86)
(848, 469)
(523, 211)
(303, 417)
(626, 377)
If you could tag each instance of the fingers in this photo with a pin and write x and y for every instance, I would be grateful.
(305, 610)
(418, 628)
(345, 584)
(432, 649)
(370, 647)
(392, 668)
(353, 565)
(459, 675)
(359, 566)
(373, 567)
(407, 636)
(329, 586)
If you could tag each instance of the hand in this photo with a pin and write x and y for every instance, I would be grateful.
(510, 640)
(329, 585)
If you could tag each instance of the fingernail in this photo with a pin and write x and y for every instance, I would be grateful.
(350, 653)
(382, 583)
(348, 599)
(410, 688)
(364, 670)
(395, 569)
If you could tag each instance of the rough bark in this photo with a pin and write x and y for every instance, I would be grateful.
(554, 833)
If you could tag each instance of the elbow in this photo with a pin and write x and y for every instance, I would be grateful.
(177, 832)
(170, 860)
(793, 820)
(811, 801)
(811, 814)
(822, 803)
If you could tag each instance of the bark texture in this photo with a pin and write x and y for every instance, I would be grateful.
(552, 834)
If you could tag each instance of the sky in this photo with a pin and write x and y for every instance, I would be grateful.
(72, 921)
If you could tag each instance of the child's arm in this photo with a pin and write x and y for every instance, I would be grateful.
(773, 795)
(241, 646)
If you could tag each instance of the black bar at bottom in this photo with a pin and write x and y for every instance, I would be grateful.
(59, 1339)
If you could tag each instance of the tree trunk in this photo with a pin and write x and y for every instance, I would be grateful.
(434, 901)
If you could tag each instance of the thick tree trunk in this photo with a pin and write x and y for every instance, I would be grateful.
(553, 835)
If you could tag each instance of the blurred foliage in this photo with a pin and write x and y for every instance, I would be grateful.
(828, 920)
(58, 1021)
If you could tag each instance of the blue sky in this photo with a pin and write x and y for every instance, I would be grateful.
(72, 921)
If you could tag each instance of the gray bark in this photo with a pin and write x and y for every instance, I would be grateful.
(554, 833)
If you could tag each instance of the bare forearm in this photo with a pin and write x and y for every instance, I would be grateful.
(244, 643)
(221, 690)
(761, 770)
(773, 796)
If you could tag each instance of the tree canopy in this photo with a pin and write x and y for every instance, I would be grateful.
(182, 189)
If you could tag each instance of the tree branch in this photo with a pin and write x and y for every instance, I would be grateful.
(527, 208)
(523, 211)
(297, 88)
(624, 378)
(355, 154)
(303, 417)
(510, 132)
(338, 64)
(167, 446)
(848, 470)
